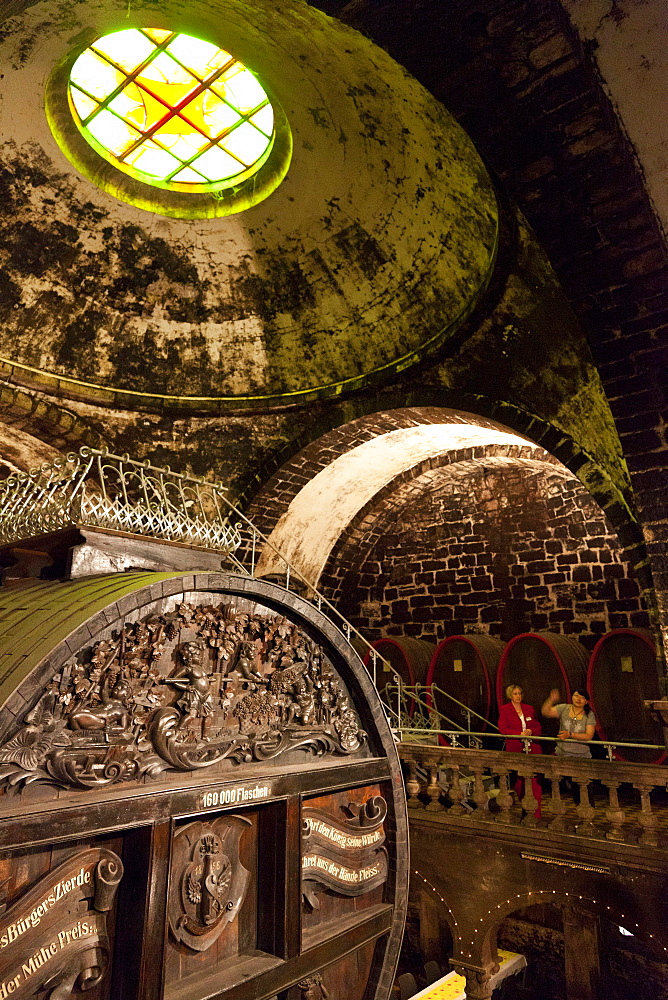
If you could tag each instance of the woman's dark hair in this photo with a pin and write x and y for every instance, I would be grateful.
(582, 692)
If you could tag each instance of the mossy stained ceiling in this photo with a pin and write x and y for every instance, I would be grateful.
(374, 248)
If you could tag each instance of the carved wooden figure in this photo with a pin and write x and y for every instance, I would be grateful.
(199, 772)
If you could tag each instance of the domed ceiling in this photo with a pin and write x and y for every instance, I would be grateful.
(372, 250)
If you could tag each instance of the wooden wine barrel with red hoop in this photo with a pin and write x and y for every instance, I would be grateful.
(622, 674)
(539, 662)
(408, 657)
(199, 794)
(465, 666)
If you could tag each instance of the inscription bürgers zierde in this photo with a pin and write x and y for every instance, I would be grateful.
(34, 918)
(48, 935)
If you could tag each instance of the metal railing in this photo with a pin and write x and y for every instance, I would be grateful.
(464, 739)
(418, 715)
(97, 489)
(101, 490)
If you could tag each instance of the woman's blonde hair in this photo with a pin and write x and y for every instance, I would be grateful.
(511, 688)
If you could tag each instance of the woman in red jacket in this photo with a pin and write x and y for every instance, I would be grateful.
(518, 719)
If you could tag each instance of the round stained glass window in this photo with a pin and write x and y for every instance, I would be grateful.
(171, 110)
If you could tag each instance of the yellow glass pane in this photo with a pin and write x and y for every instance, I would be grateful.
(216, 165)
(128, 49)
(264, 120)
(150, 159)
(202, 58)
(157, 34)
(246, 143)
(83, 104)
(94, 75)
(164, 69)
(112, 133)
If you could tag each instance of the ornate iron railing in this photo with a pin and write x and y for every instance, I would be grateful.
(97, 489)
(101, 490)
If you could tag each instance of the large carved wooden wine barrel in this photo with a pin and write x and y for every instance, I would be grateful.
(464, 666)
(539, 662)
(199, 796)
(408, 657)
(622, 674)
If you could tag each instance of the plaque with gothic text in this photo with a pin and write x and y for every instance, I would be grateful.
(53, 939)
(345, 856)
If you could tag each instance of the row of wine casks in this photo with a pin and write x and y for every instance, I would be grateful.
(475, 670)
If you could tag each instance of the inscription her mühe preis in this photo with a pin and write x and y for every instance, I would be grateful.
(183, 691)
(54, 938)
(344, 856)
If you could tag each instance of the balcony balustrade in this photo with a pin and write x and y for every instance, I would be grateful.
(618, 801)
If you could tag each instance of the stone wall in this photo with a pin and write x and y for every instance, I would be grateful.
(496, 548)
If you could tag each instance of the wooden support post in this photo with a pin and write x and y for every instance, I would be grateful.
(582, 954)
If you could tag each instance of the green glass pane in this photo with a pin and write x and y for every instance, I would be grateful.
(128, 49)
(150, 159)
(242, 90)
(214, 116)
(164, 69)
(130, 105)
(246, 143)
(94, 75)
(184, 146)
(112, 133)
(217, 165)
(189, 176)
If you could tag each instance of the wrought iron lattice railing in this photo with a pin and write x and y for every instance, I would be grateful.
(97, 489)
(100, 490)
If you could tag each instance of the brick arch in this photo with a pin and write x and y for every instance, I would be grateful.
(332, 430)
(483, 944)
(492, 540)
(371, 521)
(332, 495)
(45, 421)
(321, 443)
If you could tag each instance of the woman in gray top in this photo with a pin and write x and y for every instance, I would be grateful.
(576, 723)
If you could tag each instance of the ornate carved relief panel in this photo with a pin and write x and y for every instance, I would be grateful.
(242, 757)
(184, 690)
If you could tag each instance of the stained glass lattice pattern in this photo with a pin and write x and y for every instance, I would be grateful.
(171, 108)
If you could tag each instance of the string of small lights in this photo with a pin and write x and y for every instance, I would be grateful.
(529, 898)
(434, 889)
